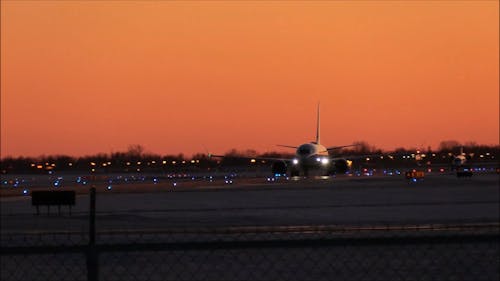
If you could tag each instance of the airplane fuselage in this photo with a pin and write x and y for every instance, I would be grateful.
(459, 160)
(311, 154)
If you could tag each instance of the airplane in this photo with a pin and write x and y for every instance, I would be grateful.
(460, 160)
(308, 156)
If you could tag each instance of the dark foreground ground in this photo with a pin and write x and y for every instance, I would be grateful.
(370, 228)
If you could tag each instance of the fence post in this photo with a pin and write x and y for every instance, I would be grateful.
(92, 256)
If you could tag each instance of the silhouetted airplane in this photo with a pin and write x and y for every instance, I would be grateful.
(460, 160)
(312, 155)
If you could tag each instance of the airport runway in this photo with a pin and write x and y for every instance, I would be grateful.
(439, 199)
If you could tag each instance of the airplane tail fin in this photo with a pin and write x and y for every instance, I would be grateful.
(318, 128)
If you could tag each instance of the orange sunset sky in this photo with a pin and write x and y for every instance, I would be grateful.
(83, 77)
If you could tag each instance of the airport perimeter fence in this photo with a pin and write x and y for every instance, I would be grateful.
(432, 252)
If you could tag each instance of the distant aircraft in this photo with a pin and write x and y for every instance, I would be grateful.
(460, 160)
(312, 155)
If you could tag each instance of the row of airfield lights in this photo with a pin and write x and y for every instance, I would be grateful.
(156, 180)
(58, 182)
(228, 180)
(94, 165)
(418, 156)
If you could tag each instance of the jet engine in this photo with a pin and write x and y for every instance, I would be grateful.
(279, 167)
(341, 166)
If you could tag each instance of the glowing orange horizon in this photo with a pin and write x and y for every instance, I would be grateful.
(80, 78)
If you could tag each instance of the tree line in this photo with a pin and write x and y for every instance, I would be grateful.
(135, 159)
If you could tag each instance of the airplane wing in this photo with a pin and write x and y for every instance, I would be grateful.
(351, 157)
(253, 158)
(289, 146)
(342, 146)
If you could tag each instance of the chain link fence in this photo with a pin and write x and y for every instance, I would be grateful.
(431, 252)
